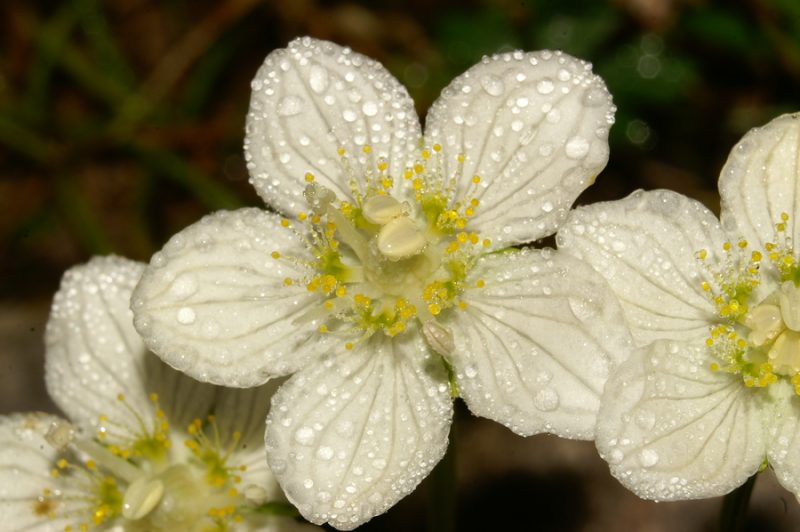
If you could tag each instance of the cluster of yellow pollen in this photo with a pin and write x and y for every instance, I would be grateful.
(365, 288)
(738, 343)
(143, 450)
(103, 495)
(151, 442)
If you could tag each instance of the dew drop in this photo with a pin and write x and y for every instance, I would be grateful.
(184, 286)
(304, 435)
(185, 316)
(546, 400)
(318, 79)
(577, 147)
(325, 453)
(493, 85)
(517, 125)
(648, 457)
(547, 206)
(370, 108)
(616, 456)
(545, 86)
(290, 105)
(349, 115)
(545, 149)
(470, 371)
(308, 483)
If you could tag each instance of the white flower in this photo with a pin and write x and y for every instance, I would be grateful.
(140, 452)
(713, 392)
(389, 259)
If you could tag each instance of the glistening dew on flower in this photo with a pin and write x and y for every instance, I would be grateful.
(714, 397)
(391, 266)
(147, 448)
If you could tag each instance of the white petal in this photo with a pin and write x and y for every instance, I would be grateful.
(761, 180)
(244, 411)
(784, 442)
(534, 127)
(93, 352)
(672, 429)
(645, 246)
(534, 347)
(25, 463)
(349, 437)
(311, 99)
(182, 398)
(213, 302)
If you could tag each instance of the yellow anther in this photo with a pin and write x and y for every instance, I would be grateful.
(285, 223)
(756, 256)
(408, 173)
(341, 151)
(288, 281)
(434, 309)
(426, 154)
(62, 463)
(742, 243)
(275, 255)
(153, 397)
(348, 346)
(120, 397)
(480, 283)
(382, 166)
(706, 286)
(91, 465)
(437, 147)
(474, 202)
(341, 291)
(785, 217)
(726, 246)
(781, 227)
(702, 254)
(302, 216)
(476, 179)
(418, 184)
(309, 177)
(487, 243)
(367, 148)
(460, 158)
(418, 168)
(328, 305)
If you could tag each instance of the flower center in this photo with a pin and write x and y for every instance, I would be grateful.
(759, 340)
(133, 475)
(383, 260)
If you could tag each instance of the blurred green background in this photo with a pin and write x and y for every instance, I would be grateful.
(121, 122)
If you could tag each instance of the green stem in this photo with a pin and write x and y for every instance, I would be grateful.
(442, 495)
(733, 515)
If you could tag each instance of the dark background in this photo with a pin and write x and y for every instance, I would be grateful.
(121, 122)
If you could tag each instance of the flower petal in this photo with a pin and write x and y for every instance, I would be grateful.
(93, 352)
(244, 411)
(213, 303)
(784, 437)
(534, 127)
(672, 429)
(313, 98)
(349, 437)
(761, 180)
(645, 246)
(26, 459)
(534, 347)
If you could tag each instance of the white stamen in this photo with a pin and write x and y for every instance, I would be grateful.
(400, 239)
(790, 305)
(764, 323)
(141, 497)
(381, 210)
(439, 337)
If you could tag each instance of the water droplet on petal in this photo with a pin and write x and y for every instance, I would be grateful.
(349, 115)
(470, 371)
(493, 85)
(577, 147)
(370, 108)
(546, 400)
(648, 457)
(324, 453)
(545, 86)
(290, 105)
(304, 435)
(318, 79)
(185, 316)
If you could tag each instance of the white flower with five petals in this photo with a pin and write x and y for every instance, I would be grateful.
(139, 452)
(712, 394)
(392, 265)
